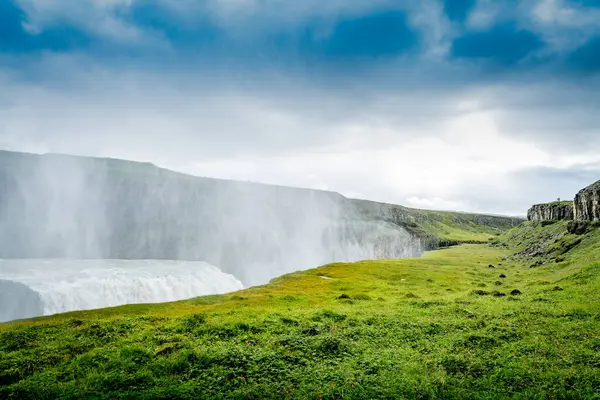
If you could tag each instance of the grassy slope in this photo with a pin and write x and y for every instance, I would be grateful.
(412, 328)
(454, 227)
(440, 227)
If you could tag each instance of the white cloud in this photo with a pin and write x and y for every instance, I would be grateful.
(564, 25)
(455, 149)
(484, 14)
(565, 14)
(94, 16)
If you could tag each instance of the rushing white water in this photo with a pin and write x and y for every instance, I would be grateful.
(42, 287)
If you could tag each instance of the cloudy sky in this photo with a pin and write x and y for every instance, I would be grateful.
(475, 105)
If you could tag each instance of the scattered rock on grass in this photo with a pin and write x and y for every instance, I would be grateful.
(498, 294)
(536, 264)
(481, 292)
(557, 289)
(491, 266)
(502, 276)
(344, 296)
(515, 292)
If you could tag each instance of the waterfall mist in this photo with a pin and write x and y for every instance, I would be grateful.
(66, 207)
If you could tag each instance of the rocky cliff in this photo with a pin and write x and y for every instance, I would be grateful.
(587, 203)
(438, 228)
(558, 210)
(56, 206)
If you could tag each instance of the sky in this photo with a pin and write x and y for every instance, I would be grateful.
(471, 105)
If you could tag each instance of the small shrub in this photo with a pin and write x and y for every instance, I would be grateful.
(75, 323)
(313, 330)
(289, 321)
(17, 339)
(327, 314)
(454, 365)
(193, 322)
(477, 341)
(330, 345)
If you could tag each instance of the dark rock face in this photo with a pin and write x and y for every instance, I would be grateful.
(555, 211)
(587, 203)
(578, 227)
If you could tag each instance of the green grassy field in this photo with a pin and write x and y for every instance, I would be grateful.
(442, 326)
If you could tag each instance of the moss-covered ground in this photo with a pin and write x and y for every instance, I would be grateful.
(442, 326)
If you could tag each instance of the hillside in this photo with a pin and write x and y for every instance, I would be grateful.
(446, 325)
(439, 228)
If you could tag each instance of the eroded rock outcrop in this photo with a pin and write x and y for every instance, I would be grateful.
(555, 211)
(587, 203)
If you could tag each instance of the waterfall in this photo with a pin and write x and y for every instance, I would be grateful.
(44, 287)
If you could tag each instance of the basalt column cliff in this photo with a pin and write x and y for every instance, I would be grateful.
(587, 203)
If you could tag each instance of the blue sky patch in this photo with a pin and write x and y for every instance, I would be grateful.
(14, 38)
(587, 57)
(458, 10)
(504, 45)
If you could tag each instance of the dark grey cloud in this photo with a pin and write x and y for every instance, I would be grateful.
(381, 99)
(559, 116)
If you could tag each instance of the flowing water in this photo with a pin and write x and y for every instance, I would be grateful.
(31, 288)
(64, 219)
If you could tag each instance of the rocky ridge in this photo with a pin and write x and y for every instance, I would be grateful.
(584, 208)
(587, 203)
(555, 211)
